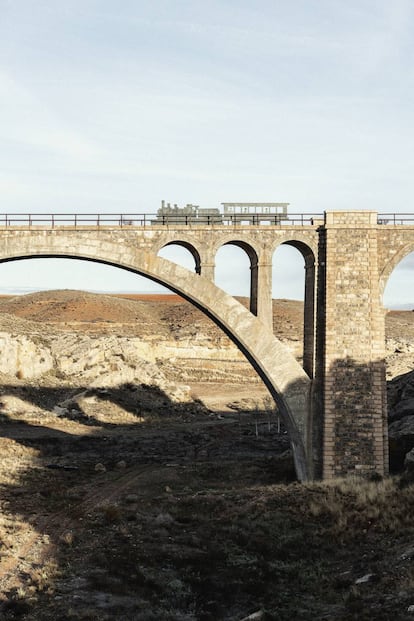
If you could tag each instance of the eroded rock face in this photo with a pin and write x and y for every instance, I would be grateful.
(115, 354)
(110, 361)
(100, 361)
(23, 357)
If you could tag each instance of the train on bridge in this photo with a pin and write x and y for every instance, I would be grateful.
(232, 213)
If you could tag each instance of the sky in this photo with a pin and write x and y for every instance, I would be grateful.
(110, 107)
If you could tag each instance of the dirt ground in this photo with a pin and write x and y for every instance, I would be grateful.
(182, 511)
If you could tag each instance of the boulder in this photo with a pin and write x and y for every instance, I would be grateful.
(401, 410)
(409, 461)
(401, 441)
(400, 390)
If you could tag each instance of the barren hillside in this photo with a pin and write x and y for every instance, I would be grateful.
(141, 313)
(145, 475)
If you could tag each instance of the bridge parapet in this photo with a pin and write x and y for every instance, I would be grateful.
(148, 220)
(120, 220)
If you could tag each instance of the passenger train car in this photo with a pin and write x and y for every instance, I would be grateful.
(233, 213)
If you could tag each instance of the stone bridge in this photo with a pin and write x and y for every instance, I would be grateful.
(335, 405)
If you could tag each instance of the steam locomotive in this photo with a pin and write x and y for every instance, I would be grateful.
(233, 213)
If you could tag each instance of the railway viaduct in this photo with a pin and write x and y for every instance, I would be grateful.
(334, 405)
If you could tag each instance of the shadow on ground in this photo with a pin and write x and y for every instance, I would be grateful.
(184, 515)
(107, 521)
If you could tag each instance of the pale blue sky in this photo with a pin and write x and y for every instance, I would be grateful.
(113, 106)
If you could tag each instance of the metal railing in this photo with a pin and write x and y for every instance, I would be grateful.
(52, 220)
(93, 220)
(143, 220)
(396, 218)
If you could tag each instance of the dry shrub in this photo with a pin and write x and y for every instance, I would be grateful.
(67, 538)
(111, 512)
(42, 577)
(354, 505)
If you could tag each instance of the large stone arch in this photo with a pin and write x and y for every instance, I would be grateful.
(287, 382)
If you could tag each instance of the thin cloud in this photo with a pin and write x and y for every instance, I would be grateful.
(110, 108)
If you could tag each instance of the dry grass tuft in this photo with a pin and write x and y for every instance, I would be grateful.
(355, 505)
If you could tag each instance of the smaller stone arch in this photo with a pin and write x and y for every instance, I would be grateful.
(305, 249)
(309, 310)
(188, 246)
(392, 263)
(253, 257)
(248, 242)
(254, 268)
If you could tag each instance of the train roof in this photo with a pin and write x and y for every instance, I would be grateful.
(255, 204)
